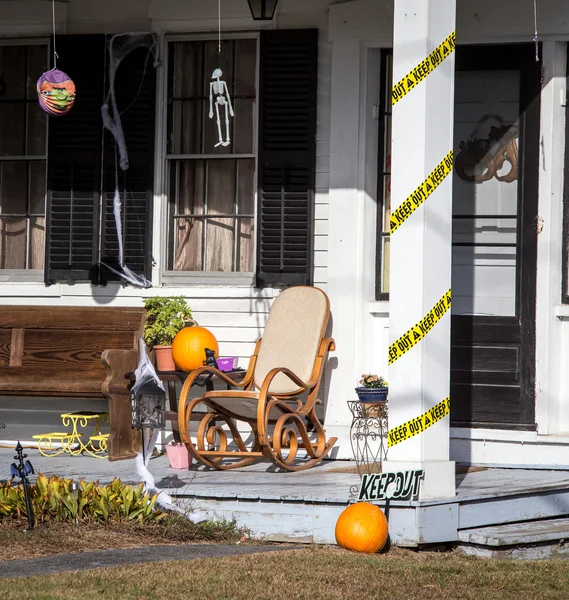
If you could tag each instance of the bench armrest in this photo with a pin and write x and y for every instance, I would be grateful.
(124, 441)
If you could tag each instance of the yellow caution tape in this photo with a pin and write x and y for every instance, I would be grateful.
(420, 330)
(419, 424)
(420, 72)
(412, 203)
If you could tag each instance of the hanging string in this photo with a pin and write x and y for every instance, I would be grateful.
(219, 26)
(535, 38)
(55, 56)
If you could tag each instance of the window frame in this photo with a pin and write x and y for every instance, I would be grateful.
(171, 277)
(565, 200)
(381, 174)
(29, 275)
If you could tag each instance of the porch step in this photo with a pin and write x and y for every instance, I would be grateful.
(527, 540)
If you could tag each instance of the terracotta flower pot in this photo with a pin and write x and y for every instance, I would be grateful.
(164, 360)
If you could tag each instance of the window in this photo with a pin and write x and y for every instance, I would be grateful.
(211, 187)
(384, 177)
(23, 128)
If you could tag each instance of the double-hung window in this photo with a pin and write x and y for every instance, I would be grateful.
(23, 154)
(211, 183)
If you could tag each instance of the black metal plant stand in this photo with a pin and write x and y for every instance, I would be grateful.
(368, 435)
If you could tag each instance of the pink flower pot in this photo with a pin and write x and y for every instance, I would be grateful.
(178, 456)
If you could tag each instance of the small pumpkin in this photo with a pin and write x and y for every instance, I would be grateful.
(188, 347)
(362, 527)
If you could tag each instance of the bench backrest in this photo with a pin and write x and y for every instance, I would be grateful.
(48, 342)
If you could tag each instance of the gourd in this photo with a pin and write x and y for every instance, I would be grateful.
(188, 347)
(362, 527)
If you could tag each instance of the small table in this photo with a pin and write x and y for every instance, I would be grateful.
(72, 441)
(172, 377)
(368, 435)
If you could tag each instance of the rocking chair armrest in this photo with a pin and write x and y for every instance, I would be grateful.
(327, 345)
(292, 376)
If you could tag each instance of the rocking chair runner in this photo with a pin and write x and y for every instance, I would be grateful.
(277, 397)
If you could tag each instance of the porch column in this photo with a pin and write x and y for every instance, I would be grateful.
(421, 219)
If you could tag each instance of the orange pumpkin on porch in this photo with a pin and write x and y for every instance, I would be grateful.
(362, 527)
(188, 347)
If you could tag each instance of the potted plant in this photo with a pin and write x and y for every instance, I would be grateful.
(373, 388)
(165, 316)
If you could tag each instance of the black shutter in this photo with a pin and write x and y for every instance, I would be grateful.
(135, 88)
(74, 165)
(287, 156)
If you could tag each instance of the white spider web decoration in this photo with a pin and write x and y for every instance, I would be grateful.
(120, 46)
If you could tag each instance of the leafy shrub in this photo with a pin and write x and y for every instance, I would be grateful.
(164, 318)
(53, 499)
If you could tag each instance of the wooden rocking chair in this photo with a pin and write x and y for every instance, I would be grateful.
(278, 396)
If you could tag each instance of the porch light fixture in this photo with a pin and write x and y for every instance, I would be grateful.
(263, 10)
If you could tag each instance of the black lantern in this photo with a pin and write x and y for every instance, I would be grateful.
(148, 407)
(263, 10)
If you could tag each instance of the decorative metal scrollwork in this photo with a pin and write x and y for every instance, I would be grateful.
(368, 435)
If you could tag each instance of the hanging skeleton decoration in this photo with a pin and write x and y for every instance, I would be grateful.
(218, 88)
(480, 160)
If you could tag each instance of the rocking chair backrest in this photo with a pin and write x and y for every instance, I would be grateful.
(295, 327)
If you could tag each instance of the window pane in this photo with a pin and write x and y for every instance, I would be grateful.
(485, 192)
(35, 140)
(186, 136)
(219, 247)
(245, 68)
(13, 72)
(187, 69)
(186, 98)
(37, 187)
(221, 187)
(36, 250)
(12, 243)
(189, 233)
(37, 64)
(13, 187)
(12, 120)
(245, 112)
(245, 245)
(246, 186)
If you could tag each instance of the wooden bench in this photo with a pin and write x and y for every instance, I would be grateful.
(68, 352)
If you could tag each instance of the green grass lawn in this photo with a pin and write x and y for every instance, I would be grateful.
(314, 573)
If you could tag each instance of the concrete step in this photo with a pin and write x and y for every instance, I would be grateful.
(527, 540)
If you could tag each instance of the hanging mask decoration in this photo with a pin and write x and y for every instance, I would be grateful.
(481, 159)
(56, 92)
(219, 94)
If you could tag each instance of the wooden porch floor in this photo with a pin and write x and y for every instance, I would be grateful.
(304, 506)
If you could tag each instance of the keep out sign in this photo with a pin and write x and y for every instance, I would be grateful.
(401, 485)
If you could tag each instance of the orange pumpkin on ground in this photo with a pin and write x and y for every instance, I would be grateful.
(188, 347)
(362, 527)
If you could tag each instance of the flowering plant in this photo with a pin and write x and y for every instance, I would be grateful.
(372, 381)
